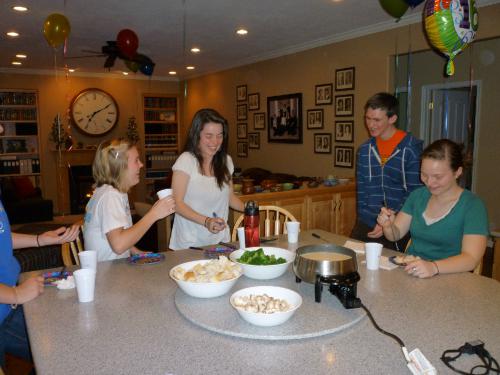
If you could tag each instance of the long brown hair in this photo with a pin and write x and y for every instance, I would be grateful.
(219, 161)
(445, 149)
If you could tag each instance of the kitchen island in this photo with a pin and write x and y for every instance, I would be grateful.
(134, 327)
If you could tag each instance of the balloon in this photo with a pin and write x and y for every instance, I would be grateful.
(147, 68)
(414, 3)
(56, 29)
(127, 42)
(395, 8)
(450, 26)
(132, 65)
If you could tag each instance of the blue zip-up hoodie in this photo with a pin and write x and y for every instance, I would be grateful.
(391, 183)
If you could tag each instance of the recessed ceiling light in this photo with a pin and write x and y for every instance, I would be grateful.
(17, 63)
(195, 50)
(12, 34)
(19, 8)
(172, 72)
(190, 67)
(125, 73)
(242, 32)
(21, 56)
(71, 70)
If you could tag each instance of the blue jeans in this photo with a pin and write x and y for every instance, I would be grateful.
(13, 336)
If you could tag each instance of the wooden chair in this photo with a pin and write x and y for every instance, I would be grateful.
(279, 216)
(70, 250)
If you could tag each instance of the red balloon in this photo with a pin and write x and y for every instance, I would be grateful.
(127, 42)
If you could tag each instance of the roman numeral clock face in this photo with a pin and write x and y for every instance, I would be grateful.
(94, 112)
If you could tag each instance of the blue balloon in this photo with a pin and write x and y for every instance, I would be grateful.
(414, 3)
(147, 68)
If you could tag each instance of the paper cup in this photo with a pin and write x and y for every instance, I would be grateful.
(292, 228)
(88, 259)
(164, 193)
(85, 284)
(373, 251)
(241, 237)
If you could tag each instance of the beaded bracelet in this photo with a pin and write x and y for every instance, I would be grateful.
(38, 243)
(206, 220)
(437, 268)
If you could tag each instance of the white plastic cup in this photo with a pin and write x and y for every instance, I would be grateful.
(88, 259)
(164, 193)
(85, 284)
(373, 251)
(241, 237)
(292, 228)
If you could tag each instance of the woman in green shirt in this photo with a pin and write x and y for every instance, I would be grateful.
(448, 224)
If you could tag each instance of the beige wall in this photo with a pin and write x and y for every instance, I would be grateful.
(300, 72)
(55, 94)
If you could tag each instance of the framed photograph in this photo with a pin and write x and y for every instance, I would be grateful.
(314, 119)
(322, 143)
(259, 121)
(241, 112)
(254, 140)
(344, 156)
(15, 146)
(241, 93)
(344, 131)
(344, 79)
(284, 118)
(344, 105)
(253, 102)
(241, 131)
(324, 94)
(242, 149)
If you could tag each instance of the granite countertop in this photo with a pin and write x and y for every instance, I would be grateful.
(134, 327)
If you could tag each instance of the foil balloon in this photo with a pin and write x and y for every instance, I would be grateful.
(450, 26)
(56, 29)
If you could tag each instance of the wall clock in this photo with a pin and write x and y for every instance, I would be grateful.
(94, 112)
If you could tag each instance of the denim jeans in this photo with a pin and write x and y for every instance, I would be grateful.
(13, 336)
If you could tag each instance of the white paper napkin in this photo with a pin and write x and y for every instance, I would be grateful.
(385, 264)
(358, 247)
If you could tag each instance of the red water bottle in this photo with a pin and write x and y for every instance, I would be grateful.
(251, 224)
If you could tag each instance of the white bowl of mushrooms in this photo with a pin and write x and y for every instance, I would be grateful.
(266, 306)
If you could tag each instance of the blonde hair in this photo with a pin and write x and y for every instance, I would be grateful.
(111, 163)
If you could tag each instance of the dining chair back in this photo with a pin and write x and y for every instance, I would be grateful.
(274, 218)
(70, 250)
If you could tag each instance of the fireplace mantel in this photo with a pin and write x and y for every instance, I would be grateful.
(65, 159)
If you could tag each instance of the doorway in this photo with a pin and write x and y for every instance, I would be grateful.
(451, 111)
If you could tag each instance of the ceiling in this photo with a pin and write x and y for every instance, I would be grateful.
(167, 29)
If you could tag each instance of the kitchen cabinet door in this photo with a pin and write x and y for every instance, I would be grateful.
(322, 214)
(346, 212)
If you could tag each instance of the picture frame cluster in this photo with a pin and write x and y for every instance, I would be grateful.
(283, 119)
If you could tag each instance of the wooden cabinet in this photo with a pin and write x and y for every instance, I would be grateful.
(161, 137)
(19, 144)
(330, 208)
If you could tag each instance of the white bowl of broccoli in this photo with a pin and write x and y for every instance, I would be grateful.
(263, 263)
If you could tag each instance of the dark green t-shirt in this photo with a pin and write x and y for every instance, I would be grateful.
(443, 238)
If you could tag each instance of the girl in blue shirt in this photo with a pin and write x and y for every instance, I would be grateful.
(448, 224)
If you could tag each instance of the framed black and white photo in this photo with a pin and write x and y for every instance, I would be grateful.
(322, 143)
(242, 149)
(241, 131)
(241, 112)
(324, 94)
(344, 105)
(259, 121)
(253, 102)
(344, 79)
(284, 118)
(241, 93)
(254, 140)
(314, 119)
(344, 131)
(344, 156)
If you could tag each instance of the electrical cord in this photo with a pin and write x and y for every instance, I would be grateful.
(391, 335)
(490, 364)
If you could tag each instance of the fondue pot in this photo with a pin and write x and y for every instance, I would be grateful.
(337, 268)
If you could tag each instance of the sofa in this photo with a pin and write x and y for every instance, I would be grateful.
(23, 202)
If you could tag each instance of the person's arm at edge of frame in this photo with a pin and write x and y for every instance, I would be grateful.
(52, 237)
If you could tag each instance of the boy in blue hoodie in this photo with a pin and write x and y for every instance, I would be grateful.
(387, 169)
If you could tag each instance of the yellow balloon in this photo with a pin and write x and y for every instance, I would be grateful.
(56, 29)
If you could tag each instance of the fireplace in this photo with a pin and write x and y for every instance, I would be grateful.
(80, 187)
